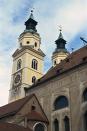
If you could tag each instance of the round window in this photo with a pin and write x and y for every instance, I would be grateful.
(28, 42)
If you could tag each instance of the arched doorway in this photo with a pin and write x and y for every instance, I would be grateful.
(39, 127)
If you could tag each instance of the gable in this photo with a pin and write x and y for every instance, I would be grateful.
(28, 106)
(14, 107)
(32, 110)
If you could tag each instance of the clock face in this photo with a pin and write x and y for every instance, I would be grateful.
(17, 79)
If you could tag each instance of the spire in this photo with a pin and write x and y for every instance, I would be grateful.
(31, 23)
(60, 52)
(60, 42)
(60, 35)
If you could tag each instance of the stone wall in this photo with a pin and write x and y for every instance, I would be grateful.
(70, 84)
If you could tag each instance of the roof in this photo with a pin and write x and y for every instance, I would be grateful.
(74, 60)
(36, 116)
(12, 127)
(30, 48)
(14, 107)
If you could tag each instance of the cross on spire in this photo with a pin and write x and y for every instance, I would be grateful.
(60, 28)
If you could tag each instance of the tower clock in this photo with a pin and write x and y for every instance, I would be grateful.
(17, 79)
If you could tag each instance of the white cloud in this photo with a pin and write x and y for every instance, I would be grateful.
(11, 25)
(72, 15)
(5, 71)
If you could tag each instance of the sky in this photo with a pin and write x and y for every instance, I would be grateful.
(70, 14)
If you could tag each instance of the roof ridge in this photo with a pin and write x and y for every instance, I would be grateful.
(12, 127)
(22, 102)
(42, 109)
(75, 59)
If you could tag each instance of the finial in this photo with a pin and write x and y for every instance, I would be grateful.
(31, 15)
(32, 11)
(60, 34)
(60, 28)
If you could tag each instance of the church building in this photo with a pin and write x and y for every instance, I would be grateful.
(56, 101)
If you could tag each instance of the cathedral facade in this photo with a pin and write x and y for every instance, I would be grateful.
(56, 101)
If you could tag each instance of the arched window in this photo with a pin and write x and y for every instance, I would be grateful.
(34, 64)
(20, 44)
(56, 125)
(33, 79)
(55, 62)
(33, 108)
(19, 62)
(66, 124)
(39, 127)
(35, 44)
(85, 95)
(60, 102)
(85, 121)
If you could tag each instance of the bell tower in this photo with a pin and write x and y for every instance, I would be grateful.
(28, 60)
(60, 52)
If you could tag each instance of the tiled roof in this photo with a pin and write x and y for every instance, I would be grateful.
(12, 108)
(34, 115)
(12, 127)
(74, 60)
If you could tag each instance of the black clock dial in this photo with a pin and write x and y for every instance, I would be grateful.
(17, 78)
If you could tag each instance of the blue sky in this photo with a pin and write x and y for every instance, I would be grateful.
(70, 14)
